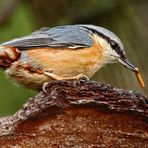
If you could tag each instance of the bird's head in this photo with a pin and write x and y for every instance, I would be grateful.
(113, 49)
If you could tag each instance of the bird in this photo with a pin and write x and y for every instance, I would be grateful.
(62, 53)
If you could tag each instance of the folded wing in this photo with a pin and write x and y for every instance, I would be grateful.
(71, 36)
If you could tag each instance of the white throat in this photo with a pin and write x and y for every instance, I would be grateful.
(110, 55)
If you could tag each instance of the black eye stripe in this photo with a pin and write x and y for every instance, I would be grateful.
(113, 44)
(116, 47)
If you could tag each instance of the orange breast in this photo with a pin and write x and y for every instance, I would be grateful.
(67, 62)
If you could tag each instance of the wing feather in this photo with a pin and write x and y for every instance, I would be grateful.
(71, 36)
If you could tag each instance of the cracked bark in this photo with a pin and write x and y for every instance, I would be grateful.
(78, 113)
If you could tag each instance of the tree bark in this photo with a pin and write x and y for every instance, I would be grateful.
(78, 113)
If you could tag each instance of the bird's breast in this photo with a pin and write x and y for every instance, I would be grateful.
(66, 62)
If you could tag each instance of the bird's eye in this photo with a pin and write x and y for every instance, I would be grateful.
(114, 45)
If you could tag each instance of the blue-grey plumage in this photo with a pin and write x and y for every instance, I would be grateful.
(64, 52)
(64, 36)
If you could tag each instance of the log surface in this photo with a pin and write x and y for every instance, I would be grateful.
(78, 113)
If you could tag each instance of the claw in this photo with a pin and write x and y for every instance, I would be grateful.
(82, 77)
(44, 87)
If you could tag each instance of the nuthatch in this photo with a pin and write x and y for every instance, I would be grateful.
(64, 52)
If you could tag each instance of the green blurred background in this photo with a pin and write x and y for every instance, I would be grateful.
(128, 19)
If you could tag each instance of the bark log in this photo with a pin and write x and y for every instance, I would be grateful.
(78, 114)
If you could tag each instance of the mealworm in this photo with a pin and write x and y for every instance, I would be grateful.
(139, 77)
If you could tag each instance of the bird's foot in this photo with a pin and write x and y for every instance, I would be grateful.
(56, 77)
(44, 87)
(81, 77)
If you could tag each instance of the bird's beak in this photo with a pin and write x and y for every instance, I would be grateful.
(130, 66)
(127, 64)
